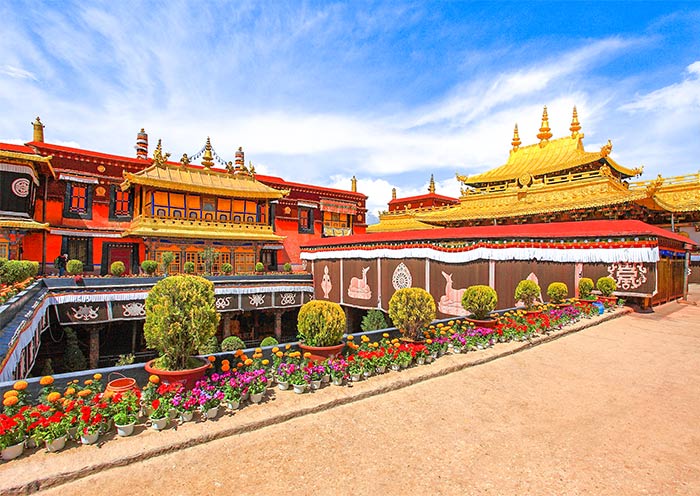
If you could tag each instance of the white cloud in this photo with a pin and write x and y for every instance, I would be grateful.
(16, 72)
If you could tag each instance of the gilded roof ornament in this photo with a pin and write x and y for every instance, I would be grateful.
(516, 138)
(185, 160)
(431, 187)
(208, 157)
(606, 149)
(545, 132)
(575, 124)
(159, 159)
(654, 185)
(393, 193)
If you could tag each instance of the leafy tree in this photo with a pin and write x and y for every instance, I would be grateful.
(320, 323)
(480, 301)
(73, 358)
(527, 291)
(411, 309)
(269, 341)
(232, 343)
(373, 320)
(117, 268)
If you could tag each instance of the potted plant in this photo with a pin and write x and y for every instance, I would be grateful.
(180, 318)
(117, 268)
(226, 268)
(167, 258)
(527, 291)
(585, 286)
(188, 267)
(90, 423)
(373, 321)
(159, 416)
(287, 267)
(320, 327)
(480, 301)
(259, 267)
(126, 408)
(232, 343)
(557, 292)
(149, 267)
(12, 432)
(606, 285)
(411, 309)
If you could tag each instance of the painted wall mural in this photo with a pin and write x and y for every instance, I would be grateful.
(359, 288)
(401, 278)
(628, 275)
(450, 302)
(326, 283)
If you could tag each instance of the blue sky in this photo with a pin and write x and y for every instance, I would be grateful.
(388, 91)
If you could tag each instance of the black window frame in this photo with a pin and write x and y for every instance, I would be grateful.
(67, 200)
(114, 188)
(88, 265)
(310, 228)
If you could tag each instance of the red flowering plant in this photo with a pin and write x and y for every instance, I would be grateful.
(13, 428)
(91, 420)
(125, 407)
(160, 409)
(47, 423)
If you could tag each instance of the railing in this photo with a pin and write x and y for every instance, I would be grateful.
(195, 223)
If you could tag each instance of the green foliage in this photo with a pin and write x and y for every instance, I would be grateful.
(74, 267)
(320, 323)
(180, 318)
(373, 320)
(226, 268)
(287, 267)
(411, 309)
(211, 346)
(127, 359)
(527, 292)
(73, 358)
(149, 266)
(557, 292)
(117, 268)
(232, 343)
(269, 341)
(606, 285)
(209, 256)
(480, 301)
(585, 286)
(47, 368)
(167, 258)
(259, 267)
(14, 271)
(188, 267)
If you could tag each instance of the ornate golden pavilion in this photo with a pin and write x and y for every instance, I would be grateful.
(556, 180)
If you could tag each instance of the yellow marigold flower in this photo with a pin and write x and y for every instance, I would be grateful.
(88, 382)
(385, 335)
(9, 393)
(10, 401)
(279, 354)
(70, 391)
(451, 323)
(257, 355)
(237, 353)
(442, 333)
(84, 392)
(249, 361)
(107, 395)
(350, 337)
(396, 345)
(275, 349)
(395, 340)
(47, 380)
(258, 350)
(20, 385)
(211, 358)
(225, 367)
(365, 339)
(307, 354)
(429, 341)
(440, 325)
(287, 346)
(266, 362)
(53, 397)
(153, 379)
(97, 377)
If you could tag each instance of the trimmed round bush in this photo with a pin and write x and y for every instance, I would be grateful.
(557, 292)
(14, 271)
(74, 267)
(226, 268)
(411, 309)
(117, 268)
(585, 286)
(188, 267)
(149, 266)
(232, 343)
(480, 301)
(287, 267)
(211, 346)
(259, 267)
(320, 323)
(269, 341)
(527, 291)
(606, 285)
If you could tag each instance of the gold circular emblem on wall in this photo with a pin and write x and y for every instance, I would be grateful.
(101, 168)
(359, 217)
(100, 191)
(525, 179)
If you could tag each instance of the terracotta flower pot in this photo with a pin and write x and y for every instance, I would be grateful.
(487, 324)
(187, 377)
(321, 353)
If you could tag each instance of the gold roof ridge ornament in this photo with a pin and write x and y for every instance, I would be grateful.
(431, 186)
(160, 159)
(575, 125)
(208, 157)
(606, 149)
(516, 139)
(545, 132)
(185, 160)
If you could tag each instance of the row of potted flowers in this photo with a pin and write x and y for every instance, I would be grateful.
(85, 411)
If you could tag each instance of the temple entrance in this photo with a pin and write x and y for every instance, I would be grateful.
(119, 252)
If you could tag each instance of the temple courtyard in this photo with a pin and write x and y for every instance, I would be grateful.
(611, 409)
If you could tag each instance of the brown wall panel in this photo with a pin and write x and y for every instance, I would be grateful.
(397, 274)
(448, 282)
(360, 283)
(510, 273)
(327, 284)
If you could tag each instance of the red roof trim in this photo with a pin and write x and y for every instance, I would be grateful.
(427, 196)
(582, 229)
(282, 182)
(9, 147)
(42, 146)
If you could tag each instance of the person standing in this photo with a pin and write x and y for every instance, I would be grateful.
(60, 263)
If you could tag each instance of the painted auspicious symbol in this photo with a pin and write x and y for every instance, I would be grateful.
(451, 302)
(359, 288)
(133, 309)
(326, 285)
(257, 299)
(628, 275)
(20, 187)
(402, 277)
(288, 299)
(84, 312)
(222, 302)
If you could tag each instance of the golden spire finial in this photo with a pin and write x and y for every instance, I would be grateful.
(38, 130)
(353, 184)
(516, 138)
(545, 131)
(575, 125)
(393, 193)
(159, 158)
(207, 158)
(431, 187)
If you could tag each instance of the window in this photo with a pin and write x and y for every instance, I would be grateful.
(79, 249)
(306, 220)
(78, 201)
(120, 205)
(4, 248)
(335, 224)
(245, 261)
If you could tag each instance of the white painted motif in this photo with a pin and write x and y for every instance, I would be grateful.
(222, 302)
(257, 299)
(628, 275)
(359, 288)
(20, 187)
(85, 312)
(451, 302)
(288, 299)
(133, 309)
(326, 284)
(402, 277)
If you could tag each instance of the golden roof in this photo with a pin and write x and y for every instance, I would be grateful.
(23, 224)
(541, 198)
(675, 194)
(401, 221)
(207, 181)
(172, 228)
(30, 159)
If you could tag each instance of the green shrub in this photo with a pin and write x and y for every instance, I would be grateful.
(226, 268)
(117, 268)
(259, 267)
(73, 357)
(480, 301)
(12, 272)
(527, 291)
(188, 267)
(411, 309)
(557, 292)
(166, 259)
(232, 343)
(74, 267)
(373, 321)
(585, 286)
(47, 368)
(149, 266)
(320, 323)
(606, 285)
(127, 359)
(287, 267)
(269, 341)
(180, 318)
(32, 268)
(211, 346)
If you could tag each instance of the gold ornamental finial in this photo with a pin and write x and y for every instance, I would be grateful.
(431, 187)
(516, 138)
(606, 149)
(545, 131)
(393, 193)
(159, 158)
(185, 160)
(38, 130)
(207, 158)
(575, 125)
(353, 184)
